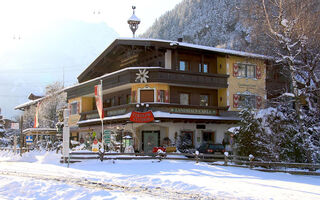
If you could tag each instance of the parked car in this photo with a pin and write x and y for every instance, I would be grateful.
(211, 148)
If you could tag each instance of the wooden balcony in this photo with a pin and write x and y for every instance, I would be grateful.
(156, 74)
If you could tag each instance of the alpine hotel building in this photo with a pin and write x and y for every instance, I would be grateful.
(191, 90)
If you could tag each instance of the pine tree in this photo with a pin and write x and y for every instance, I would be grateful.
(247, 138)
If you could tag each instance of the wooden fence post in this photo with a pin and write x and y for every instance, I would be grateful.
(226, 154)
(197, 156)
(251, 157)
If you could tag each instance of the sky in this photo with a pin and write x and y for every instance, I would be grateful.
(44, 41)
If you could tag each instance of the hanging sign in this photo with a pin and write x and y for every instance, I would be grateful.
(141, 117)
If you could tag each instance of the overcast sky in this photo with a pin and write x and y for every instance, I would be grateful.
(22, 18)
(33, 32)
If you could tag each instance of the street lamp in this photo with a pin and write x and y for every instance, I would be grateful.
(133, 22)
(120, 129)
(142, 107)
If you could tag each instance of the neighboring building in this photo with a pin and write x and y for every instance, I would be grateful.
(2, 125)
(42, 128)
(193, 91)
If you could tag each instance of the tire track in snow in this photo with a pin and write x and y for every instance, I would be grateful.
(83, 182)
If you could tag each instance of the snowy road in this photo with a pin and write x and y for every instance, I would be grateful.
(43, 177)
(87, 185)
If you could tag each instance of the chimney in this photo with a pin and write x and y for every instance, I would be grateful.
(180, 39)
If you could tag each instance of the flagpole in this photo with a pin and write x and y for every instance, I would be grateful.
(102, 138)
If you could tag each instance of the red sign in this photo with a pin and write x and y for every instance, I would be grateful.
(140, 117)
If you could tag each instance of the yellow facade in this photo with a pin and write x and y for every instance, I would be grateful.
(240, 85)
(155, 86)
(87, 104)
(73, 119)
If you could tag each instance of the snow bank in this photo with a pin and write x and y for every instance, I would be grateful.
(45, 157)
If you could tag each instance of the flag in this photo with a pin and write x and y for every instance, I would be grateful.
(99, 103)
(36, 117)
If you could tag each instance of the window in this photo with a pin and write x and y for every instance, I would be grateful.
(184, 99)
(74, 108)
(146, 95)
(119, 100)
(183, 65)
(112, 101)
(128, 98)
(161, 95)
(247, 70)
(203, 68)
(204, 100)
(247, 100)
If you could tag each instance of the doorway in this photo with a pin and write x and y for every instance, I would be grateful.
(150, 139)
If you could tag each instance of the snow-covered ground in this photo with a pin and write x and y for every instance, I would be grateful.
(39, 175)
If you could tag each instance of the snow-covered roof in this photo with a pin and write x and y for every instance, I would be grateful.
(202, 47)
(28, 103)
(173, 43)
(32, 102)
(39, 130)
(160, 114)
(134, 18)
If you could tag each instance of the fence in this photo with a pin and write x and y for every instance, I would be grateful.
(12, 149)
(225, 160)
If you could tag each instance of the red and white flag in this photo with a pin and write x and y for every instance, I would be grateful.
(99, 102)
(36, 117)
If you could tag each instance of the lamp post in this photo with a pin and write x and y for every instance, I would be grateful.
(120, 129)
(133, 22)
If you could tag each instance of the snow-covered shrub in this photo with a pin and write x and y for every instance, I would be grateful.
(184, 143)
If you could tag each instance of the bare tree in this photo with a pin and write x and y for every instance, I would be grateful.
(293, 26)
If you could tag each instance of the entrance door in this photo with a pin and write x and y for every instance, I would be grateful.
(208, 137)
(150, 139)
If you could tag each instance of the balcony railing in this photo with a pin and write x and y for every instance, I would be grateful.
(156, 74)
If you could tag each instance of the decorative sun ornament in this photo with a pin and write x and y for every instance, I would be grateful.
(142, 76)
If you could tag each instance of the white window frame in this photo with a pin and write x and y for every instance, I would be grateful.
(147, 88)
(245, 66)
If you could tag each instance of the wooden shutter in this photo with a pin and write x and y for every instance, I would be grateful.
(146, 96)
(133, 97)
(258, 102)
(236, 98)
(78, 107)
(235, 70)
(158, 95)
(258, 72)
(69, 108)
(166, 93)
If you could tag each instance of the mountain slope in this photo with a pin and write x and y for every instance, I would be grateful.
(216, 23)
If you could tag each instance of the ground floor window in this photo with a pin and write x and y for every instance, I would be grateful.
(208, 137)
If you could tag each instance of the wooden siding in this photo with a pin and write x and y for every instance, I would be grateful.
(194, 95)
